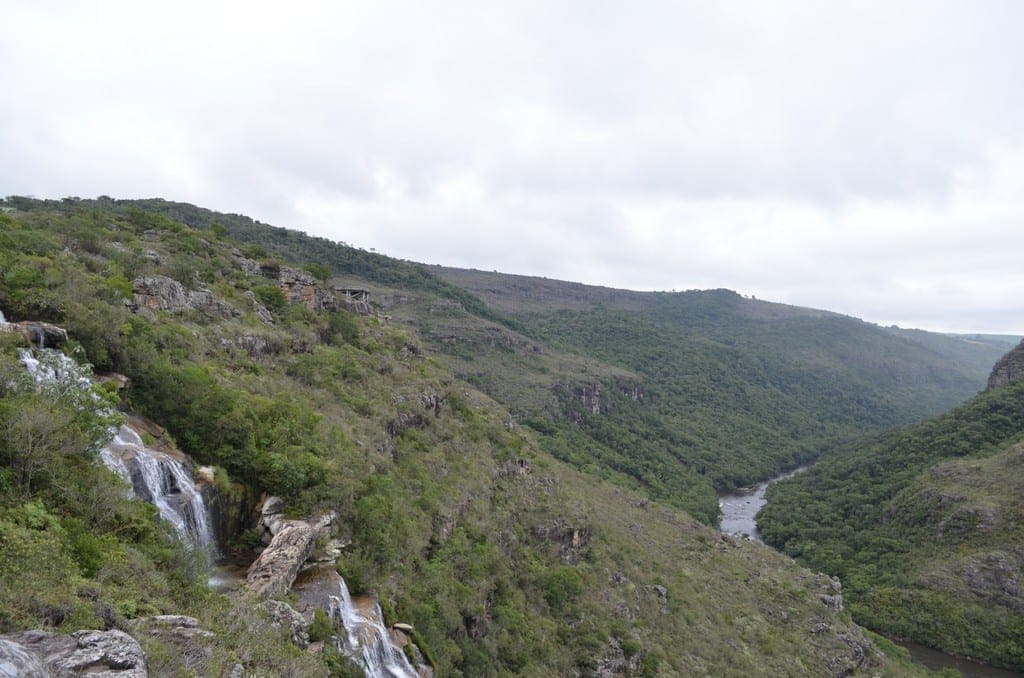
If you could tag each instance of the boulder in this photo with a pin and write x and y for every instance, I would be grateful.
(103, 654)
(284, 616)
(273, 573)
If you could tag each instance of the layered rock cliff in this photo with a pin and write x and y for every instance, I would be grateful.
(1010, 368)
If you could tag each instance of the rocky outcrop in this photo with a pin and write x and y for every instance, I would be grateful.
(104, 654)
(160, 293)
(40, 334)
(298, 286)
(43, 335)
(18, 662)
(261, 311)
(1010, 368)
(572, 540)
(615, 663)
(284, 616)
(292, 544)
(996, 577)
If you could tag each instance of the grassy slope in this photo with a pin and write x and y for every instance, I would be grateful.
(474, 557)
(924, 527)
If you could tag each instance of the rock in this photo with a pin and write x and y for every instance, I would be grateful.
(274, 571)
(572, 541)
(256, 346)
(1009, 369)
(161, 293)
(996, 577)
(181, 631)
(302, 288)
(614, 662)
(18, 662)
(284, 616)
(43, 335)
(237, 671)
(404, 628)
(264, 314)
(513, 468)
(103, 654)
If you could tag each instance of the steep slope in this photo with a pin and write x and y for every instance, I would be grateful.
(504, 559)
(923, 525)
(740, 387)
(673, 394)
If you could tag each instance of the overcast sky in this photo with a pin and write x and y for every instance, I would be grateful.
(862, 157)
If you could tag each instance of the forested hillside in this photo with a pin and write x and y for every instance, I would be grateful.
(923, 525)
(497, 557)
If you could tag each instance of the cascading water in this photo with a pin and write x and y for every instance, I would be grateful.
(366, 640)
(156, 477)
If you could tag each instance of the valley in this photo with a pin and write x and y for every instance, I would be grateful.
(433, 471)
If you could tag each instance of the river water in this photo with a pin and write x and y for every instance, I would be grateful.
(740, 507)
(739, 510)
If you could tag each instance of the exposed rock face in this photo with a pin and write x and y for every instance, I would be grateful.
(572, 540)
(106, 654)
(301, 288)
(1010, 368)
(161, 293)
(513, 468)
(17, 662)
(264, 314)
(614, 662)
(284, 616)
(996, 577)
(42, 334)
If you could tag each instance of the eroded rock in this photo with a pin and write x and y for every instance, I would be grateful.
(1009, 369)
(102, 654)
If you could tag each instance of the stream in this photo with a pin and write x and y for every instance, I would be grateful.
(739, 510)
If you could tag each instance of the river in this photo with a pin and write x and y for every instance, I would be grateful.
(739, 510)
(740, 507)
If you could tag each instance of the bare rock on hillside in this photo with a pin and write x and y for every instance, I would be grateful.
(110, 654)
(1009, 369)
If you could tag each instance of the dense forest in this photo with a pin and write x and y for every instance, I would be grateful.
(923, 525)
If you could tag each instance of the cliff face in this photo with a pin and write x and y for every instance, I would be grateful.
(1010, 368)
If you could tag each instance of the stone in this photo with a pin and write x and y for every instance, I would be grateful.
(284, 616)
(103, 654)
(404, 628)
(274, 571)
(18, 662)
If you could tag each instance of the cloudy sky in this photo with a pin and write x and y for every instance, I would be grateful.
(865, 157)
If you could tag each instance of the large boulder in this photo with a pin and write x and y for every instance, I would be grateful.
(99, 654)
(273, 573)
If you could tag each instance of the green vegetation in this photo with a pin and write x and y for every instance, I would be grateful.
(923, 525)
(506, 560)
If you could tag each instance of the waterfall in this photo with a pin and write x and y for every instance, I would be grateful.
(156, 477)
(160, 479)
(366, 640)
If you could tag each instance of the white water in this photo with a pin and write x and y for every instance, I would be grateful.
(366, 640)
(156, 477)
